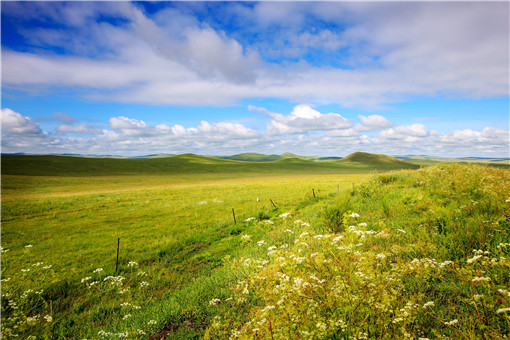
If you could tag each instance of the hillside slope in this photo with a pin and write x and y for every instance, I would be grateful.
(376, 161)
(183, 164)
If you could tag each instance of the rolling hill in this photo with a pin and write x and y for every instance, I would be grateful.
(376, 161)
(190, 164)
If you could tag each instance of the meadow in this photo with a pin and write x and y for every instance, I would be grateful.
(411, 253)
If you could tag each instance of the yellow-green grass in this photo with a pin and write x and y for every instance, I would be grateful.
(409, 255)
(177, 228)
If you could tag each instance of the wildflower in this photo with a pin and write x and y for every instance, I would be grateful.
(214, 302)
(473, 259)
(481, 279)
(98, 270)
(284, 215)
(32, 319)
(428, 304)
(37, 264)
(202, 202)
(363, 224)
(249, 219)
(445, 263)
(3, 250)
(451, 323)
(288, 231)
(47, 267)
(261, 243)
(139, 331)
(132, 264)
(143, 284)
(29, 246)
(25, 270)
(503, 310)
(152, 322)
(245, 238)
(48, 318)
(381, 256)
(354, 215)
(127, 316)
(85, 279)
(268, 222)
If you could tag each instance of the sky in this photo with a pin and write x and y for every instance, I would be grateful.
(220, 78)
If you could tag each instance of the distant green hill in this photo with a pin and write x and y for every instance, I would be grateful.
(36, 165)
(258, 157)
(376, 161)
(253, 157)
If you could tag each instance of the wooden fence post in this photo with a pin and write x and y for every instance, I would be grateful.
(272, 203)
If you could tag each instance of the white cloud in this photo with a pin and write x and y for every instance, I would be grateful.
(372, 123)
(17, 124)
(453, 49)
(124, 123)
(407, 132)
(128, 136)
(303, 118)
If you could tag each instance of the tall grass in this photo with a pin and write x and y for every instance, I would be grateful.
(408, 255)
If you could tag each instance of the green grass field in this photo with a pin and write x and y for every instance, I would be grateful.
(182, 258)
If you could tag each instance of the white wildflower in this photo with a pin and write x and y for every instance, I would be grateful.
(428, 304)
(214, 302)
(287, 214)
(98, 270)
(451, 323)
(503, 310)
(132, 264)
(354, 215)
(261, 243)
(481, 279)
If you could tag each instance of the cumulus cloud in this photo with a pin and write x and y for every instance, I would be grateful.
(372, 123)
(303, 118)
(129, 136)
(16, 124)
(406, 133)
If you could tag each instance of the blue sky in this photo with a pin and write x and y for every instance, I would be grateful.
(323, 78)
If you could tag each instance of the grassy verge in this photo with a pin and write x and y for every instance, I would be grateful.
(407, 255)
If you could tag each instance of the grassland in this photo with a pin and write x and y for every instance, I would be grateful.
(182, 257)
